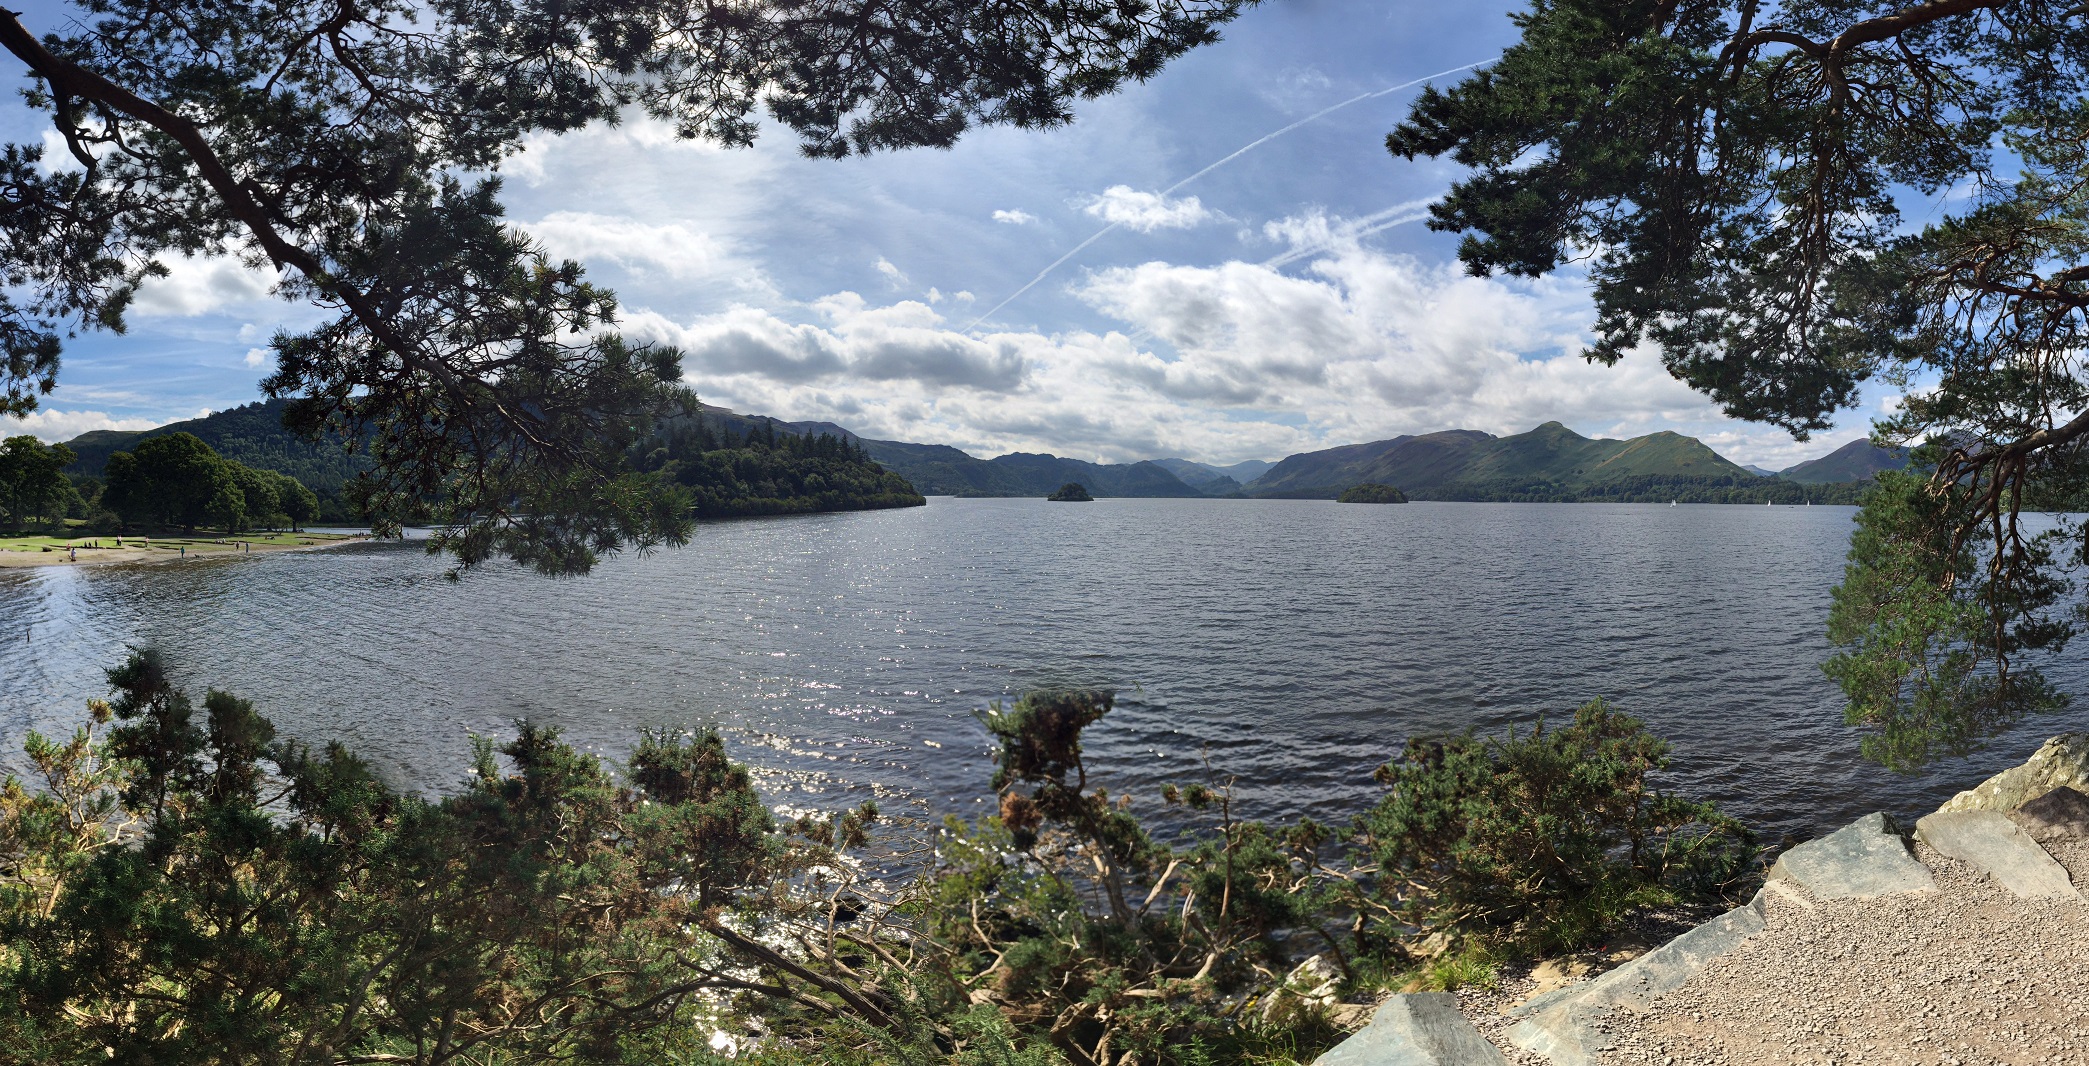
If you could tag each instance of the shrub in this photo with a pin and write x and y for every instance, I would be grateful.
(1543, 841)
(186, 887)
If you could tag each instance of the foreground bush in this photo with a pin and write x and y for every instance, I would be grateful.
(1542, 842)
(186, 888)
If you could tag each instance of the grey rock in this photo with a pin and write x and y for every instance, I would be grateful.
(1571, 1034)
(1865, 858)
(1989, 840)
(2062, 814)
(2063, 760)
(1418, 1029)
(1565, 1025)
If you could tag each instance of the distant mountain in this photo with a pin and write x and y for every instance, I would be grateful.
(941, 470)
(1758, 471)
(1210, 480)
(1214, 479)
(1856, 461)
(1550, 461)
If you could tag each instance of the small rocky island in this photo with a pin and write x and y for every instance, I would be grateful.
(1071, 492)
(1372, 492)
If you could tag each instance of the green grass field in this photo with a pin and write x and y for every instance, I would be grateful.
(202, 542)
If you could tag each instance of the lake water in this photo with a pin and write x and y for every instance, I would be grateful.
(1298, 642)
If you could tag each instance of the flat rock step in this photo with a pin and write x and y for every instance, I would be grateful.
(1416, 1029)
(1989, 840)
(1863, 859)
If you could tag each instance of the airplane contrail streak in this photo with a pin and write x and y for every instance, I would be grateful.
(1241, 151)
(1351, 229)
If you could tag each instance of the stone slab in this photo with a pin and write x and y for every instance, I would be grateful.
(1565, 1026)
(1989, 840)
(1863, 859)
(2063, 760)
(1416, 1029)
(2062, 814)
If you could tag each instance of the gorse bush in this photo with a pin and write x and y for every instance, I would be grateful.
(186, 887)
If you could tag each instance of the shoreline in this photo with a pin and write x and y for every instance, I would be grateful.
(200, 549)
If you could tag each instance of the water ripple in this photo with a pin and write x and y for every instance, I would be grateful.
(1299, 642)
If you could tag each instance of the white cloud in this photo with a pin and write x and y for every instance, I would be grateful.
(50, 425)
(904, 344)
(673, 249)
(892, 273)
(1015, 218)
(1225, 362)
(1147, 211)
(256, 356)
(204, 286)
(57, 158)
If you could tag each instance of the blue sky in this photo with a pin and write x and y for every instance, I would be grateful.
(1287, 300)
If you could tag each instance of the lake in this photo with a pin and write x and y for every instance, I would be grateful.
(1298, 644)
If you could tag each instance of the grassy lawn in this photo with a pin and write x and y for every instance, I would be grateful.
(200, 542)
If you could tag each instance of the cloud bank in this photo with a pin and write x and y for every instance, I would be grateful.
(1234, 361)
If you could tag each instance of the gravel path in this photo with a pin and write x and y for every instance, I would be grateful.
(1968, 976)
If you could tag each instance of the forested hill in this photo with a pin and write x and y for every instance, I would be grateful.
(735, 466)
(732, 464)
(251, 434)
(941, 470)
(1550, 462)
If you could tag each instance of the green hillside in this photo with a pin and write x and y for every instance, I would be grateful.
(252, 434)
(786, 469)
(1858, 460)
(739, 467)
(1549, 462)
(941, 470)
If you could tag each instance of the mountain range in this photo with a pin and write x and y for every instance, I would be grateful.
(1549, 462)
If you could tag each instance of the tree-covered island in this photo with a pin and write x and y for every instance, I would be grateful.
(1071, 492)
(1371, 492)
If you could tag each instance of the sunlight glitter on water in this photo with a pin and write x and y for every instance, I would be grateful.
(1299, 642)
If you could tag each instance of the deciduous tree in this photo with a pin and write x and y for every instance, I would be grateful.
(172, 479)
(32, 477)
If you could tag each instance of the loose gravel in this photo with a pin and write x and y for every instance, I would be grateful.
(1967, 976)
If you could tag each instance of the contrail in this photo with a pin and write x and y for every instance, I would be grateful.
(1351, 229)
(1243, 150)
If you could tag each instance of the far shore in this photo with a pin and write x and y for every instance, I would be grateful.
(56, 551)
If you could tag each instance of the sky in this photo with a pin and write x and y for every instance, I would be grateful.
(1101, 291)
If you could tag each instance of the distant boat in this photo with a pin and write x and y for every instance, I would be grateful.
(1671, 503)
